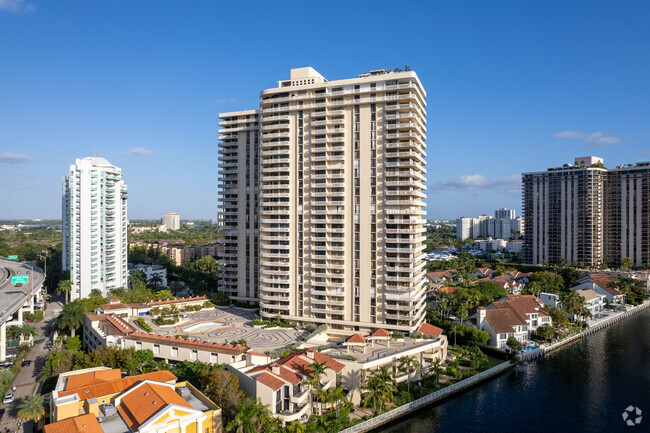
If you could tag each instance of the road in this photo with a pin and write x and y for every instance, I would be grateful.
(26, 380)
(12, 297)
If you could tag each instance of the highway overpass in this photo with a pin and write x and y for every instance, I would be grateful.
(16, 299)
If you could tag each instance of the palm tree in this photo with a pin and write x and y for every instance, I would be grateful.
(337, 396)
(64, 288)
(250, 416)
(436, 369)
(296, 427)
(32, 408)
(71, 317)
(407, 364)
(462, 314)
(443, 304)
(155, 280)
(454, 328)
(572, 303)
(22, 331)
(381, 388)
(315, 371)
(5, 375)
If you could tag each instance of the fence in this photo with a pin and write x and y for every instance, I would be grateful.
(426, 400)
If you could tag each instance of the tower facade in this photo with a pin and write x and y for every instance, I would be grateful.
(94, 227)
(341, 197)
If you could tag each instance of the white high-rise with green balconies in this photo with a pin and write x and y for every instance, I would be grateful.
(94, 227)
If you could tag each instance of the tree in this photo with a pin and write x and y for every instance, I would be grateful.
(64, 288)
(73, 344)
(142, 361)
(337, 396)
(5, 376)
(549, 282)
(436, 369)
(24, 331)
(454, 329)
(462, 314)
(408, 364)
(315, 371)
(32, 408)
(71, 317)
(627, 264)
(558, 317)
(250, 417)
(546, 332)
(534, 288)
(513, 344)
(380, 388)
(572, 303)
(222, 387)
(155, 280)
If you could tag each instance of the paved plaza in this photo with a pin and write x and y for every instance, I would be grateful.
(223, 325)
(379, 350)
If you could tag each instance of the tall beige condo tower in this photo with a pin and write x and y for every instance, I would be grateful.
(172, 221)
(341, 190)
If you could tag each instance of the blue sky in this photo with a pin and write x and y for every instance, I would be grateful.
(512, 87)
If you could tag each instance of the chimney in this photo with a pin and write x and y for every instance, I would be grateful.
(481, 317)
(275, 368)
(310, 354)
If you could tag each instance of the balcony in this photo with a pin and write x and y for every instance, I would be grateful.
(298, 414)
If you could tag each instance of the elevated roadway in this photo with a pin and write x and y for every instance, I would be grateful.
(17, 298)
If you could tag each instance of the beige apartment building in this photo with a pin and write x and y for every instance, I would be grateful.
(586, 214)
(239, 177)
(172, 221)
(341, 196)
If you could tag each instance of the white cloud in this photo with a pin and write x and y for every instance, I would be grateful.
(594, 139)
(14, 158)
(476, 182)
(16, 6)
(139, 151)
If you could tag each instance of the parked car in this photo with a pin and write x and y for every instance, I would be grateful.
(8, 398)
(19, 284)
(26, 363)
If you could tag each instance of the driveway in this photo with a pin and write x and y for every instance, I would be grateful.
(26, 380)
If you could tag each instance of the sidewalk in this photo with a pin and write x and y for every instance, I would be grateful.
(26, 380)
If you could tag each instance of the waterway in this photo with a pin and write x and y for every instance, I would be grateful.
(582, 387)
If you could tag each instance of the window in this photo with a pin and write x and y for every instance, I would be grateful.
(156, 349)
(194, 355)
(213, 358)
(175, 352)
(138, 345)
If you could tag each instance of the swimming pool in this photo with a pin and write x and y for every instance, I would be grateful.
(530, 347)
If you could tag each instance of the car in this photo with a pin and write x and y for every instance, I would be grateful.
(19, 284)
(26, 363)
(8, 398)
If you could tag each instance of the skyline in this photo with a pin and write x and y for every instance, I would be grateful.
(513, 88)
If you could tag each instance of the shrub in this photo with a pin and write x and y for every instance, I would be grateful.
(144, 325)
(193, 308)
(220, 299)
(260, 322)
(320, 328)
(208, 304)
(397, 335)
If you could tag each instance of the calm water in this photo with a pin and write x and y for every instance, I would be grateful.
(583, 387)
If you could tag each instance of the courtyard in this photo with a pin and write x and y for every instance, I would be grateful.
(225, 325)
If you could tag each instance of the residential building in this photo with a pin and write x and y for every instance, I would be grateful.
(512, 316)
(284, 385)
(516, 246)
(144, 229)
(489, 245)
(486, 226)
(504, 213)
(150, 270)
(601, 284)
(594, 301)
(588, 215)
(340, 204)
(95, 225)
(100, 400)
(464, 228)
(239, 200)
(172, 221)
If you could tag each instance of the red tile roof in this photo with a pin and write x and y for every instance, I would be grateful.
(143, 402)
(356, 338)
(301, 358)
(176, 301)
(120, 324)
(380, 333)
(117, 386)
(79, 424)
(269, 380)
(92, 378)
(207, 345)
(503, 320)
(429, 329)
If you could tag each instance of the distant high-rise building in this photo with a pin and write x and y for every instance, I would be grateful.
(337, 221)
(94, 227)
(172, 221)
(504, 213)
(587, 215)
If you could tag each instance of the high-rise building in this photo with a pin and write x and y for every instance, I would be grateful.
(94, 227)
(504, 213)
(172, 221)
(239, 195)
(341, 190)
(585, 214)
